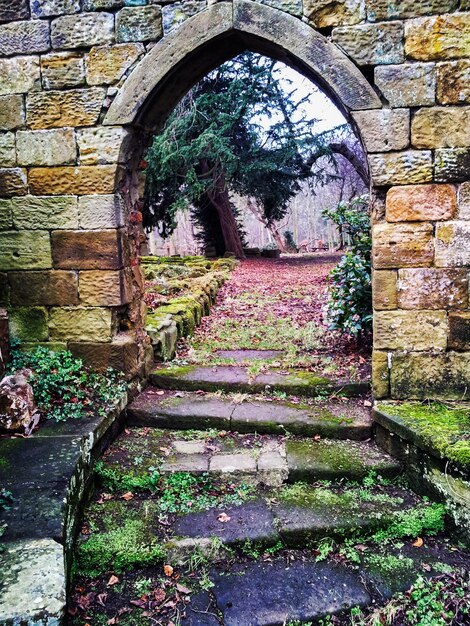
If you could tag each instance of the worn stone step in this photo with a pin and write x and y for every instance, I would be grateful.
(345, 418)
(295, 382)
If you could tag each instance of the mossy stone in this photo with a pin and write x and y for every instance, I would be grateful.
(28, 324)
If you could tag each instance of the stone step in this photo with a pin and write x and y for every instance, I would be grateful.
(253, 459)
(337, 419)
(295, 382)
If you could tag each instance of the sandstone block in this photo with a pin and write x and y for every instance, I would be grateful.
(101, 145)
(384, 129)
(106, 65)
(384, 289)
(410, 330)
(95, 212)
(45, 212)
(459, 330)
(6, 217)
(431, 288)
(51, 288)
(177, 13)
(62, 69)
(441, 127)
(24, 38)
(4, 291)
(407, 85)
(105, 288)
(72, 180)
(7, 149)
(453, 82)
(80, 324)
(453, 244)
(401, 168)
(421, 376)
(13, 182)
(464, 202)
(25, 249)
(402, 245)
(414, 203)
(325, 13)
(380, 375)
(451, 164)
(82, 31)
(19, 75)
(438, 38)
(139, 23)
(11, 112)
(28, 323)
(49, 8)
(385, 10)
(122, 354)
(14, 10)
(76, 107)
(294, 7)
(46, 147)
(88, 250)
(371, 44)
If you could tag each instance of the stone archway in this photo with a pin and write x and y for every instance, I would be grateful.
(73, 113)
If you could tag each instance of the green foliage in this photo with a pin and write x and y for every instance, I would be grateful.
(429, 518)
(6, 499)
(63, 387)
(116, 480)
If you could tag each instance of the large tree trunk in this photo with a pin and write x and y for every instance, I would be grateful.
(276, 235)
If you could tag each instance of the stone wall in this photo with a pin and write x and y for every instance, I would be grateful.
(83, 80)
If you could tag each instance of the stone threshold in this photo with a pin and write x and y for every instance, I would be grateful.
(48, 475)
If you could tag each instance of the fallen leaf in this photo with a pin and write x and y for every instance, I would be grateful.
(223, 517)
(101, 598)
(426, 567)
(159, 595)
(418, 543)
(183, 589)
(113, 581)
(127, 496)
(168, 570)
(140, 603)
(111, 621)
(160, 393)
(317, 437)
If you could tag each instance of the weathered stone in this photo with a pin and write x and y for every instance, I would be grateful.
(384, 129)
(451, 164)
(402, 245)
(385, 10)
(371, 44)
(294, 7)
(107, 64)
(80, 324)
(139, 23)
(325, 13)
(441, 127)
(423, 376)
(464, 202)
(24, 38)
(45, 212)
(62, 69)
(4, 302)
(11, 112)
(122, 354)
(401, 168)
(438, 38)
(459, 330)
(414, 203)
(87, 250)
(105, 288)
(46, 147)
(50, 8)
(28, 323)
(380, 375)
(82, 31)
(77, 107)
(7, 149)
(19, 75)
(6, 217)
(100, 212)
(407, 85)
(384, 289)
(51, 288)
(25, 250)
(233, 464)
(101, 145)
(14, 10)
(175, 14)
(13, 182)
(430, 288)
(453, 82)
(452, 244)
(97, 5)
(17, 407)
(410, 330)
(72, 180)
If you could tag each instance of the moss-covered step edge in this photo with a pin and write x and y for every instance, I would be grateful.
(35, 569)
(441, 431)
(237, 379)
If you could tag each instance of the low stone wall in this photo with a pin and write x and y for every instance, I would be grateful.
(49, 475)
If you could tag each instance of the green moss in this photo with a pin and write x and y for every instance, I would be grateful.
(306, 496)
(29, 323)
(176, 371)
(426, 518)
(443, 427)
